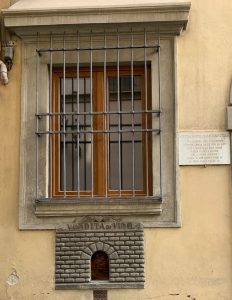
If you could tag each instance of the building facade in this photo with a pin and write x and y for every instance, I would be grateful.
(115, 156)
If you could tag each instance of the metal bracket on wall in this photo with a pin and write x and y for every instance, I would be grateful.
(7, 53)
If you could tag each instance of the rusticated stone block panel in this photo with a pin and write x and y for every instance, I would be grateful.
(122, 242)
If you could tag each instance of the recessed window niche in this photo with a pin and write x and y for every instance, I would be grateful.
(100, 266)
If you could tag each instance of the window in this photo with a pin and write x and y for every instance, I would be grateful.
(104, 135)
(45, 48)
(99, 266)
(107, 148)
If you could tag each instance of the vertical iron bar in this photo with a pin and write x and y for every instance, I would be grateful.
(132, 116)
(84, 128)
(72, 143)
(64, 119)
(78, 118)
(37, 118)
(160, 121)
(91, 110)
(50, 137)
(146, 119)
(106, 137)
(119, 118)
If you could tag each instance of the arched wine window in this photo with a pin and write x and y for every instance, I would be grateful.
(99, 266)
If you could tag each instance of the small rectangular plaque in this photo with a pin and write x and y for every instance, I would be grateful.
(204, 148)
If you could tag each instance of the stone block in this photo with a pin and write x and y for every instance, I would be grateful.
(110, 250)
(135, 256)
(60, 280)
(74, 257)
(99, 245)
(124, 238)
(135, 274)
(69, 252)
(131, 252)
(135, 265)
(81, 280)
(119, 270)
(124, 265)
(98, 234)
(119, 243)
(129, 261)
(65, 239)
(64, 275)
(129, 270)
(106, 247)
(113, 238)
(69, 280)
(94, 239)
(87, 251)
(69, 270)
(65, 257)
(139, 233)
(124, 256)
(114, 275)
(89, 234)
(70, 262)
(60, 262)
(69, 244)
(138, 243)
(59, 271)
(93, 247)
(129, 243)
(124, 274)
(124, 248)
(129, 233)
(109, 234)
(114, 255)
(139, 261)
(131, 279)
(134, 238)
(139, 269)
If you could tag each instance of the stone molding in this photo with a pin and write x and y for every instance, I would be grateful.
(111, 206)
(169, 17)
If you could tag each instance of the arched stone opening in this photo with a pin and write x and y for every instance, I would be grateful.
(100, 266)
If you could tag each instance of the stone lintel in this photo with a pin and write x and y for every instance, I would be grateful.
(164, 14)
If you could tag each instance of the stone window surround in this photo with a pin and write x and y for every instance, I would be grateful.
(48, 215)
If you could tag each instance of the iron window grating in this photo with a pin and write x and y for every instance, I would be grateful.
(48, 132)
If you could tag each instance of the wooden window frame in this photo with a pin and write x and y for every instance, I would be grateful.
(98, 124)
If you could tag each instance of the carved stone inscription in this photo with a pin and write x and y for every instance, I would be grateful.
(204, 148)
(77, 243)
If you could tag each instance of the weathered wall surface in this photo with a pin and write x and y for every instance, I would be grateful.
(192, 262)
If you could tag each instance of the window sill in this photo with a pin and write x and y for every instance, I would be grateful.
(94, 206)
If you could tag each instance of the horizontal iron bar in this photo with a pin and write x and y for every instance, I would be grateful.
(98, 113)
(97, 48)
(97, 131)
(109, 198)
(111, 142)
(110, 125)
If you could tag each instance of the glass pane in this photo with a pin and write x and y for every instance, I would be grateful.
(125, 148)
(70, 159)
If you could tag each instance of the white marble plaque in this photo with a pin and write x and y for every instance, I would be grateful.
(204, 148)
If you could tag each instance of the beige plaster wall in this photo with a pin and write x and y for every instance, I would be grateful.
(192, 262)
